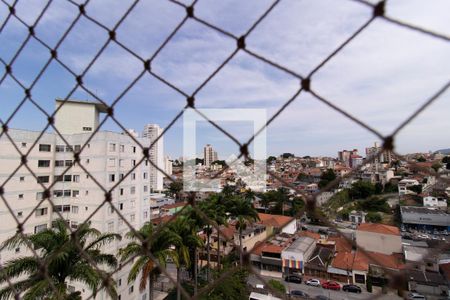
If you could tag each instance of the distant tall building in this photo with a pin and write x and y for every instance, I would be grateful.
(346, 156)
(168, 165)
(209, 155)
(152, 132)
(385, 156)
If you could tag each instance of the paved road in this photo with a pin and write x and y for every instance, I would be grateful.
(334, 295)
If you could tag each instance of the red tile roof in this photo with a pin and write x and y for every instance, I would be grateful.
(310, 234)
(363, 259)
(342, 244)
(379, 228)
(343, 260)
(276, 221)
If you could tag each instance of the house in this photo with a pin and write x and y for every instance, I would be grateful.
(317, 264)
(427, 283)
(430, 201)
(373, 264)
(341, 268)
(404, 184)
(295, 256)
(278, 223)
(379, 238)
(357, 217)
(250, 236)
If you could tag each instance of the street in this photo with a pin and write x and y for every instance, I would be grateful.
(334, 295)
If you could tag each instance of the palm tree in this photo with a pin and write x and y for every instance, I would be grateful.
(64, 256)
(243, 212)
(148, 245)
(188, 238)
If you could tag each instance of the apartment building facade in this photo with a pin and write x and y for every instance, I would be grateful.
(153, 133)
(107, 160)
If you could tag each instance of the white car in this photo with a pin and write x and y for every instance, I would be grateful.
(313, 282)
(415, 296)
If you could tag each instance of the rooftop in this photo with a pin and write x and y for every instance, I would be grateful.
(365, 258)
(100, 106)
(343, 260)
(379, 228)
(422, 210)
(425, 277)
(301, 244)
(276, 221)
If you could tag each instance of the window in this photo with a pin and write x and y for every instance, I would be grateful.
(60, 148)
(24, 145)
(144, 175)
(121, 206)
(69, 163)
(110, 226)
(132, 217)
(57, 193)
(134, 149)
(112, 147)
(146, 162)
(120, 162)
(87, 128)
(122, 148)
(145, 188)
(133, 176)
(20, 196)
(119, 282)
(133, 162)
(76, 178)
(22, 178)
(121, 192)
(110, 210)
(39, 195)
(111, 162)
(75, 193)
(112, 177)
(40, 228)
(45, 148)
(132, 203)
(67, 193)
(41, 211)
(19, 214)
(74, 225)
(43, 179)
(74, 209)
(77, 148)
(132, 190)
(59, 178)
(43, 163)
(67, 178)
(62, 208)
(121, 176)
(145, 215)
(59, 163)
(86, 193)
(69, 149)
(17, 250)
(130, 289)
(87, 161)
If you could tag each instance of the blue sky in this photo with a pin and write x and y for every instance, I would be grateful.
(381, 77)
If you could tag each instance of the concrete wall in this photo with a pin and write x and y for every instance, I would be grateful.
(381, 243)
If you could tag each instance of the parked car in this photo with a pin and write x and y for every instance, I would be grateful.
(351, 288)
(415, 296)
(332, 285)
(321, 297)
(313, 282)
(293, 278)
(297, 293)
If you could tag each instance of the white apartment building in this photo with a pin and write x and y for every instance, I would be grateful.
(168, 168)
(152, 132)
(209, 155)
(107, 157)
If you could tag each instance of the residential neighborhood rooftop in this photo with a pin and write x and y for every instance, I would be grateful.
(379, 228)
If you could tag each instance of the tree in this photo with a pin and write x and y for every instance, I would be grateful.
(421, 159)
(378, 188)
(446, 160)
(175, 188)
(277, 286)
(361, 190)
(188, 238)
(373, 204)
(62, 253)
(415, 188)
(436, 166)
(326, 177)
(146, 245)
(271, 159)
(369, 284)
(373, 217)
(243, 212)
(390, 188)
(287, 155)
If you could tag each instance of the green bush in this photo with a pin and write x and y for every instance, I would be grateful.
(278, 286)
(373, 217)
(369, 284)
